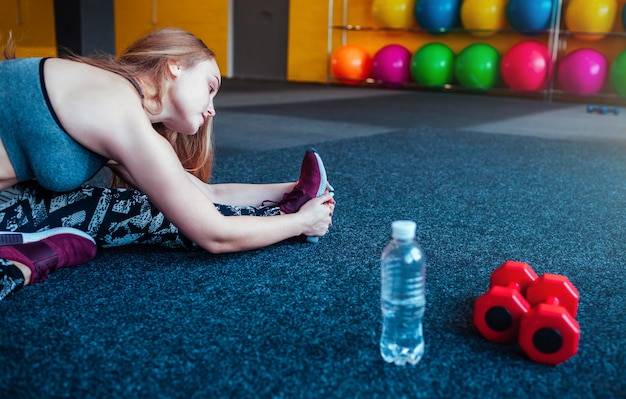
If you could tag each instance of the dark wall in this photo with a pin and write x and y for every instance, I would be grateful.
(84, 27)
(260, 38)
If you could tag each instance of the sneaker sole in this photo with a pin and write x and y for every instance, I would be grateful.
(324, 180)
(13, 238)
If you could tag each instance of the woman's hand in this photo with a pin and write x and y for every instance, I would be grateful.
(319, 215)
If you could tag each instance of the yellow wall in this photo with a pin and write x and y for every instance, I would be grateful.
(32, 25)
(308, 38)
(206, 19)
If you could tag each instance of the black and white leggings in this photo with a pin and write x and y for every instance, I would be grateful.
(112, 216)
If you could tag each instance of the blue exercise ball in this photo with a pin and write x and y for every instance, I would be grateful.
(624, 16)
(438, 16)
(530, 16)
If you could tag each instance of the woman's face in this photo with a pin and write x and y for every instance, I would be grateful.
(191, 95)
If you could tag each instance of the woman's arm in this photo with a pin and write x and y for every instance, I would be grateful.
(153, 166)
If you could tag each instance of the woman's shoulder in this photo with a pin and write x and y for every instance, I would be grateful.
(68, 81)
(61, 68)
(94, 105)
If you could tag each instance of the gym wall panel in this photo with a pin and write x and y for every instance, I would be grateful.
(307, 53)
(32, 25)
(206, 19)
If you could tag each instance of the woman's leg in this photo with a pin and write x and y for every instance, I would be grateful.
(29, 258)
(11, 278)
(230, 210)
(113, 217)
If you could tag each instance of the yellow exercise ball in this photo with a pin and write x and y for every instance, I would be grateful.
(483, 17)
(394, 13)
(596, 16)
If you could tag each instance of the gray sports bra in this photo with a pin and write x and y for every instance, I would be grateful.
(36, 142)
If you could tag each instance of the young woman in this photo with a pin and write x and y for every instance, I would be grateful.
(147, 116)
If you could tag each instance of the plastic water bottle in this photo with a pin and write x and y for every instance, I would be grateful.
(402, 299)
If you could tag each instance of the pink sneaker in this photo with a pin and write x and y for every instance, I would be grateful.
(311, 184)
(45, 251)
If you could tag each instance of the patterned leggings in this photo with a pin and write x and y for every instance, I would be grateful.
(113, 217)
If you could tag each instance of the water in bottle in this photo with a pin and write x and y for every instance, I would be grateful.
(403, 300)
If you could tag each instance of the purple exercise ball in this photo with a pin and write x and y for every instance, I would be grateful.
(583, 71)
(391, 65)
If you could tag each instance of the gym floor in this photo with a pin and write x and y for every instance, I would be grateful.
(262, 115)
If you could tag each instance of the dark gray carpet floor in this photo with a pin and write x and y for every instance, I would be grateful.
(299, 320)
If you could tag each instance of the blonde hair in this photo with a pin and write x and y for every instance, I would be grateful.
(8, 52)
(148, 58)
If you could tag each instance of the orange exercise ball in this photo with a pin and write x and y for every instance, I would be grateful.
(350, 64)
(394, 13)
(596, 16)
(484, 17)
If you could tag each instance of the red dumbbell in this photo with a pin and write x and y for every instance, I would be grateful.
(498, 312)
(549, 332)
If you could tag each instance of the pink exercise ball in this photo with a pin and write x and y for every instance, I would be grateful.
(391, 65)
(526, 65)
(583, 71)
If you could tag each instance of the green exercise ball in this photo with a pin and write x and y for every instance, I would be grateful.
(478, 67)
(618, 74)
(432, 65)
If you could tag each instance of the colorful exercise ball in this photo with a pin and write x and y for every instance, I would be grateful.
(583, 71)
(391, 65)
(530, 16)
(595, 16)
(478, 66)
(438, 16)
(393, 13)
(618, 74)
(350, 64)
(483, 17)
(525, 66)
(432, 65)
